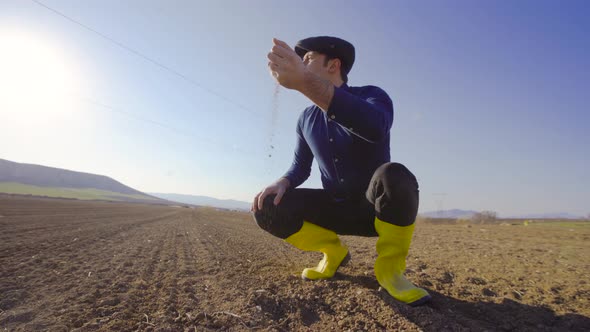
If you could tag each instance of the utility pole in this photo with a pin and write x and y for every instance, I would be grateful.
(439, 198)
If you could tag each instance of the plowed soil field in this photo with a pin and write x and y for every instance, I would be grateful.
(87, 266)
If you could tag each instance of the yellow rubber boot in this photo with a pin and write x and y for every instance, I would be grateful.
(312, 237)
(392, 249)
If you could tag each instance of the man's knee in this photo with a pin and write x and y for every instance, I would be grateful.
(278, 220)
(391, 178)
(394, 192)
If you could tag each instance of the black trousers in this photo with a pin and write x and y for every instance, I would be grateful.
(392, 196)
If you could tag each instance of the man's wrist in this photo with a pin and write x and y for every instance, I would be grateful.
(317, 89)
(286, 181)
(300, 86)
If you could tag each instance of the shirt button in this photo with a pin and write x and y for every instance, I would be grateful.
(331, 140)
(335, 159)
(341, 180)
(350, 128)
(333, 116)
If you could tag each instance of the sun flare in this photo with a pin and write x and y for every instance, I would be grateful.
(38, 80)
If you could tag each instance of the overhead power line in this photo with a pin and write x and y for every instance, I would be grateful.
(147, 58)
(252, 154)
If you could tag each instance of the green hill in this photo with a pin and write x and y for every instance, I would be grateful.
(38, 180)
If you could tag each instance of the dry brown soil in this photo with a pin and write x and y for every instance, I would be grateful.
(86, 266)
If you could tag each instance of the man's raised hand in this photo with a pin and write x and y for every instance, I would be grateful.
(285, 65)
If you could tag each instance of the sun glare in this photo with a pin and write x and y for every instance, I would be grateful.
(37, 80)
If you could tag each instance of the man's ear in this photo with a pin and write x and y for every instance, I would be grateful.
(335, 64)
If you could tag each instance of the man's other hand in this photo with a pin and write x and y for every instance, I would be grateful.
(278, 188)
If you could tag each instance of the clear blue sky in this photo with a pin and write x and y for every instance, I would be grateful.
(491, 97)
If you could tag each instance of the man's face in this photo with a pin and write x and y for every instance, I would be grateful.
(314, 62)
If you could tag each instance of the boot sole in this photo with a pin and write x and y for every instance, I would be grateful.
(421, 301)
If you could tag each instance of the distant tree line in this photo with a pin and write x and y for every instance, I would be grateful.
(484, 217)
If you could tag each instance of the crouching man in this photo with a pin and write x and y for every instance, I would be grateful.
(347, 131)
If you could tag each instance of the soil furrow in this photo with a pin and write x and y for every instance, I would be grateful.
(98, 266)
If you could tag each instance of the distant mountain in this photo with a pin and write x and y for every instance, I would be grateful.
(454, 213)
(466, 214)
(555, 215)
(29, 179)
(205, 201)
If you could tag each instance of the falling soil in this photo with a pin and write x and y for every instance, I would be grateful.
(69, 265)
(274, 119)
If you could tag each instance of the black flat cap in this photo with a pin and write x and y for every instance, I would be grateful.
(331, 46)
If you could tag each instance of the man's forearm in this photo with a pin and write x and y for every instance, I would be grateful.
(318, 90)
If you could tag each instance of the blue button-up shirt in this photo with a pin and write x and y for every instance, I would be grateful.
(349, 141)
